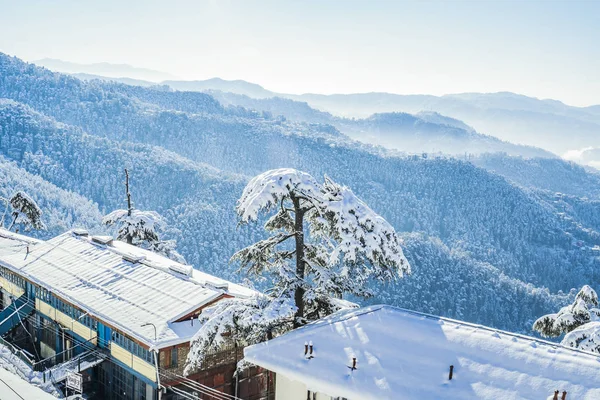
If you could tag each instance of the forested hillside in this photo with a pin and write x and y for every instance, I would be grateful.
(482, 248)
(551, 174)
(62, 209)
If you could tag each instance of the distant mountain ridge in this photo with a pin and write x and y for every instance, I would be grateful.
(549, 124)
(104, 69)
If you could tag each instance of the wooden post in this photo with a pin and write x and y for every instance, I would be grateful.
(129, 207)
(555, 395)
(564, 396)
(451, 372)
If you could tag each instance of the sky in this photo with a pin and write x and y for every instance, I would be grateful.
(544, 49)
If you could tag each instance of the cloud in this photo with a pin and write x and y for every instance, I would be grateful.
(586, 156)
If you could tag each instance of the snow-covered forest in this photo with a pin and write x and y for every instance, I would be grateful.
(488, 239)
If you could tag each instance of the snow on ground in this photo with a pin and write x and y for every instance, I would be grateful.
(28, 383)
(404, 354)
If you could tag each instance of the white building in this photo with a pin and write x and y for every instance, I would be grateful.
(406, 355)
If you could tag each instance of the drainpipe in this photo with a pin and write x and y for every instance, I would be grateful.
(155, 354)
(237, 374)
(157, 373)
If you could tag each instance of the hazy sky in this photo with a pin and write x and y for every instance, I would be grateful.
(544, 49)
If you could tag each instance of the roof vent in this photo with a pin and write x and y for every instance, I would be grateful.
(105, 240)
(218, 285)
(181, 269)
(132, 258)
(80, 232)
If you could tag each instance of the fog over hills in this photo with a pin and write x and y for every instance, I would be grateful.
(547, 124)
(424, 132)
(105, 69)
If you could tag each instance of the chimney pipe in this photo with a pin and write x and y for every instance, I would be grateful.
(305, 348)
(555, 395)
(564, 396)
(451, 372)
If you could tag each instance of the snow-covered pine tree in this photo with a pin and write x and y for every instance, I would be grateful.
(141, 228)
(325, 243)
(25, 212)
(579, 321)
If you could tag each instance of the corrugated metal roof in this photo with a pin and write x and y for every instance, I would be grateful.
(98, 279)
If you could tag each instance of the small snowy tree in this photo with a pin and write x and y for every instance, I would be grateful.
(141, 228)
(579, 322)
(241, 321)
(24, 211)
(325, 243)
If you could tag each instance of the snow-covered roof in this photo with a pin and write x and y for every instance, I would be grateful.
(404, 354)
(14, 388)
(120, 284)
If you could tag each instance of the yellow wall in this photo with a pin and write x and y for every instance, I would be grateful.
(11, 287)
(127, 358)
(66, 321)
(133, 362)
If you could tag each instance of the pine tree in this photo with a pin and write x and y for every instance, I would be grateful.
(579, 322)
(141, 228)
(25, 212)
(325, 243)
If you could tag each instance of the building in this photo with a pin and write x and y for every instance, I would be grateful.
(383, 352)
(12, 387)
(120, 315)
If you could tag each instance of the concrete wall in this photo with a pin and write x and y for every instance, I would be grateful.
(46, 351)
(287, 389)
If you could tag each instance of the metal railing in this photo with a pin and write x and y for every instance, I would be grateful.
(20, 353)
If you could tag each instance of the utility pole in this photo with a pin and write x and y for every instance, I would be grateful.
(129, 207)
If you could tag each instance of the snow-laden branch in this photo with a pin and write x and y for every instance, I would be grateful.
(143, 229)
(238, 321)
(142, 225)
(579, 321)
(25, 211)
(268, 189)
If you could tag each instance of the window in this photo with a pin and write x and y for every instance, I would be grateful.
(139, 389)
(132, 346)
(122, 382)
(174, 357)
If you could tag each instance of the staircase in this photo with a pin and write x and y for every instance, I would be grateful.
(12, 315)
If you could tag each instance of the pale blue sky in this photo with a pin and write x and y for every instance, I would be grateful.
(546, 49)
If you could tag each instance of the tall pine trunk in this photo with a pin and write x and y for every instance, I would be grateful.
(299, 236)
(129, 238)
